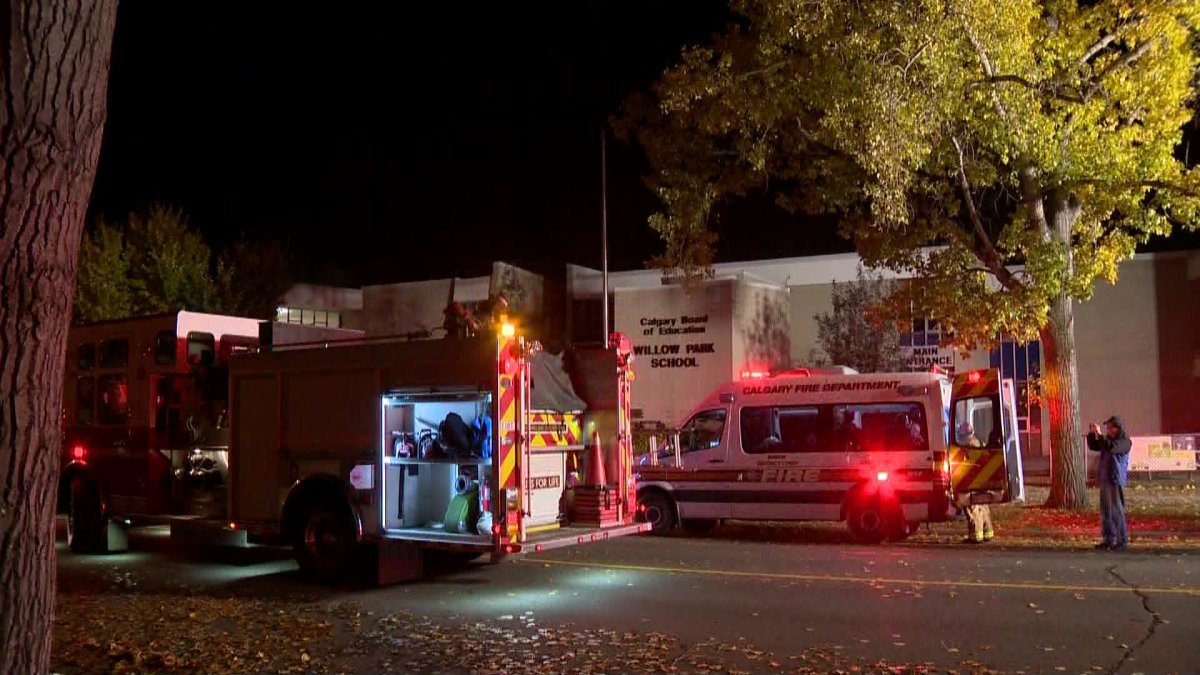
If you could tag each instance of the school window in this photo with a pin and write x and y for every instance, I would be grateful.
(703, 431)
(925, 333)
(85, 400)
(87, 356)
(1022, 362)
(114, 399)
(164, 347)
(114, 353)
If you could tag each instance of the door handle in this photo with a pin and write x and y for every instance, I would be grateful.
(715, 461)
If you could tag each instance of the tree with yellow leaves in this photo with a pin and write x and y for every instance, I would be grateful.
(1007, 154)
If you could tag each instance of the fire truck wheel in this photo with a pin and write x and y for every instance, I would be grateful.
(698, 526)
(325, 548)
(658, 511)
(85, 518)
(869, 521)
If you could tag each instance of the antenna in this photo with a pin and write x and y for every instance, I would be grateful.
(604, 226)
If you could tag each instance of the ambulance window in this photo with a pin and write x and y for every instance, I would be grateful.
(977, 422)
(164, 347)
(703, 431)
(114, 353)
(114, 399)
(879, 426)
(85, 400)
(200, 348)
(789, 429)
(87, 356)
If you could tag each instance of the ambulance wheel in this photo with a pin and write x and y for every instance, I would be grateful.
(85, 518)
(658, 510)
(699, 526)
(326, 545)
(869, 521)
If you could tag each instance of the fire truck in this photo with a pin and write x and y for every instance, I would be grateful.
(368, 449)
(468, 446)
(145, 420)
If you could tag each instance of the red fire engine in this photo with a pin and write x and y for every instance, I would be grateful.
(466, 444)
(146, 431)
(458, 444)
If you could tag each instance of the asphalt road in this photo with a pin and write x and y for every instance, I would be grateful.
(1036, 611)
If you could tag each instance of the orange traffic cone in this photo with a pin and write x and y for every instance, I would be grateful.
(594, 466)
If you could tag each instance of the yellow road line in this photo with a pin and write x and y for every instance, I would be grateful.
(783, 576)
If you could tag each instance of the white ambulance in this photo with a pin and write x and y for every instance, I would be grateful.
(884, 452)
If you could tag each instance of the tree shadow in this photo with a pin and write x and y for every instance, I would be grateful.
(767, 336)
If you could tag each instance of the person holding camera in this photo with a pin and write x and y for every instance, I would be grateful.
(1112, 473)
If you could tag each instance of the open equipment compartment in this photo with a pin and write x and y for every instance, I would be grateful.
(436, 455)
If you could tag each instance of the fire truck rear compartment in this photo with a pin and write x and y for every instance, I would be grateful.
(432, 485)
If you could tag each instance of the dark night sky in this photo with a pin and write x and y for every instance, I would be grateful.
(386, 143)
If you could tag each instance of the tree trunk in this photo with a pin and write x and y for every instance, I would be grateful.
(53, 79)
(1068, 484)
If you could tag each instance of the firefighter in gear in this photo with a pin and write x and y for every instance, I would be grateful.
(979, 516)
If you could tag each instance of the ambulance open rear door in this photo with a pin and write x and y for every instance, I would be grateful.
(985, 454)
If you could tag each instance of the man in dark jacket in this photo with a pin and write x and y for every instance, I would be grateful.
(1111, 474)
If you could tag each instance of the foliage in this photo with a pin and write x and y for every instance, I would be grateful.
(156, 262)
(1003, 153)
(104, 291)
(168, 263)
(855, 333)
(251, 279)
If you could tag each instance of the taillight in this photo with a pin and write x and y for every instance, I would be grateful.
(79, 453)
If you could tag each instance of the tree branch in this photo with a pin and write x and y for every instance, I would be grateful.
(1164, 185)
(981, 244)
(1096, 47)
(1046, 88)
(1122, 62)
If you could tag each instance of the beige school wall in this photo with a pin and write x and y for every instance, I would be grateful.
(1137, 342)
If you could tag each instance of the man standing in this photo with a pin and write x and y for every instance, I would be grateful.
(1111, 474)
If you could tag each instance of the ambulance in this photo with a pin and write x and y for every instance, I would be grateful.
(883, 452)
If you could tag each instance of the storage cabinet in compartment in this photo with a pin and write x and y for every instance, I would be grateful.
(431, 488)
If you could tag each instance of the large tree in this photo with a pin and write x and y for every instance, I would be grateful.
(1007, 154)
(54, 57)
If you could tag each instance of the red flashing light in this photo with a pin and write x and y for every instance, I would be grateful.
(508, 549)
(537, 548)
(78, 453)
(753, 374)
(974, 376)
(882, 476)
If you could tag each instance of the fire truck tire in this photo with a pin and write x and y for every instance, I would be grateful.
(870, 520)
(86, 525)
(658, 510)
(699, 526)
(326, 546)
